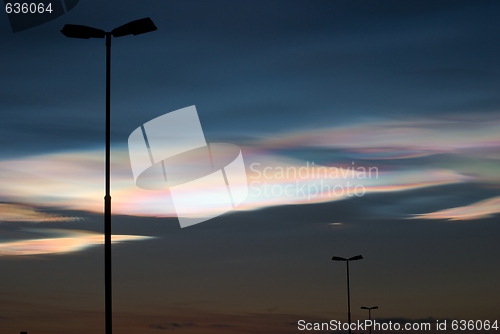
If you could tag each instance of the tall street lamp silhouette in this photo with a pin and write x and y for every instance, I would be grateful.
(136, 27)
(354, 258)
(369, 313)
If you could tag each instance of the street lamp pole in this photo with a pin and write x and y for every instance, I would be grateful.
(354, 258)
(107, 198)
(369, 313)
(136, 27)
(348, 297)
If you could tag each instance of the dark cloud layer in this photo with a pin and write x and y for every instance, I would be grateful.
(251, 68)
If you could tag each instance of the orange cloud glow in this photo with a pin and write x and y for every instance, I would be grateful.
(60, 242)
(479, 210)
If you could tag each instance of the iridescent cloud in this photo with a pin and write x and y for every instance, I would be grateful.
(24, 213)
(57, 241)
(416, 136)
(478, 210)
(387, 153)
(278, 181)
(74, 180)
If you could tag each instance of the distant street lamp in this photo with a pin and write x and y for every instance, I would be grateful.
(354, 258)
(369, 313)
(136, 27)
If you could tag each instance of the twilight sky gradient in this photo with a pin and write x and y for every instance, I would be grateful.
(316, 94)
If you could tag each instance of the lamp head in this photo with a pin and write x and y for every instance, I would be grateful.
(136, 27)
(79, 31)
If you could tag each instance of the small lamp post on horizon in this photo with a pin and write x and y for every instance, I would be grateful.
(369, 313)
(354, 258)
(136, 27)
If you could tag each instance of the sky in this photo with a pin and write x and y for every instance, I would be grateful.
(365, 127)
